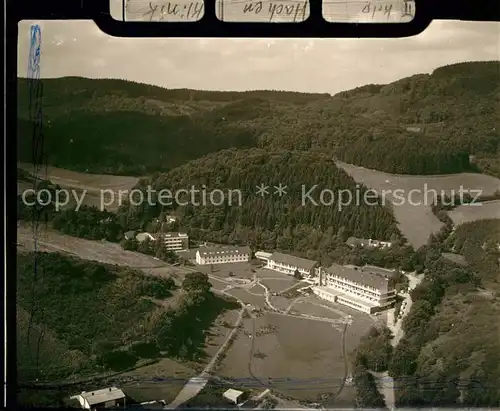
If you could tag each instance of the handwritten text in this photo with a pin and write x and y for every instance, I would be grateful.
(371, 11)
(165, 11)
(266, 11)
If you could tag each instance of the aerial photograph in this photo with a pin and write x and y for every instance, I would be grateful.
(253, 223)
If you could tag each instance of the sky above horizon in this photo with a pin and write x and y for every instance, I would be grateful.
(79, 48)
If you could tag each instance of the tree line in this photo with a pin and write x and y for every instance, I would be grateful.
(445, 122)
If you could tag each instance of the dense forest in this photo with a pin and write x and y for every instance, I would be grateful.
(444, 122)
(271, 222)
(78, 318)
(453, 303)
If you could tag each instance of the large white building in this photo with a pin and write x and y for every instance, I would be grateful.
(357, 287)
(172, 241)
(223, 255)
(288, 264)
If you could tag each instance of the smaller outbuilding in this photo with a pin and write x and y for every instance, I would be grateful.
(232, 395)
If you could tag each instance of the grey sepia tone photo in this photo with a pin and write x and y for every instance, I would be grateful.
(258, 223)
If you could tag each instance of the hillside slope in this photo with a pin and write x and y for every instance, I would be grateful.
(294, 221)
(78, 318)
(450, 353)
(423, 124)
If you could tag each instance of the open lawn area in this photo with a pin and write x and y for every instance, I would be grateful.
(50, 240)
(160, 381)
(479, 211)
(237, 270)
(296, 357)
(417, 222)
(278, 285)
(256, 300)
(292, 360)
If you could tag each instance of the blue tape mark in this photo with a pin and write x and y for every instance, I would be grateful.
(35, 52)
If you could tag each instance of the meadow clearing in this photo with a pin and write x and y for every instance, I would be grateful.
(296, 357)
(96, 186)
(415, 218)
(480, 211)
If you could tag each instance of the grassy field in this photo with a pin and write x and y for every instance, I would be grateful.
(279, 285)
(101, 251)
(160, 381)
(94, 184)
(408, 214)
(238, 270)
(482, 211)
(298, 358)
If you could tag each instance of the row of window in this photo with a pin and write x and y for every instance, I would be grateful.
(287, 269)
(353, 285)
(354, 290)
(351, 304)
(287, 266)
(232, 258)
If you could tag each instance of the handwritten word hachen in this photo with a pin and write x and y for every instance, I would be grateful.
(283, 11)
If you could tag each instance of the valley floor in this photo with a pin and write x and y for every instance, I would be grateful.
(296, 347)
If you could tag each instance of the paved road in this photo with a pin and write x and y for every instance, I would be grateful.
(194, 385)
(384, 381)
(385, 386)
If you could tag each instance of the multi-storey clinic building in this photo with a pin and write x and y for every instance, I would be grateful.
(288, 264)
(223, 255)
(175, 241)
(356, 287)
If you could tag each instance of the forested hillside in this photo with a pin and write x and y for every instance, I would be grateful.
(450, 353)
(270, 222)
(78, 318)
(424, 124)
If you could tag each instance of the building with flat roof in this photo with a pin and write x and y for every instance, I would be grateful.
(385, 272)
(223, 255)
(357, 287)
(174, 241)
(111, 397)
(288, 264)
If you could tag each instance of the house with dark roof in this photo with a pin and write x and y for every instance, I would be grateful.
(289, 264)
(367, 243)
(361, 288)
